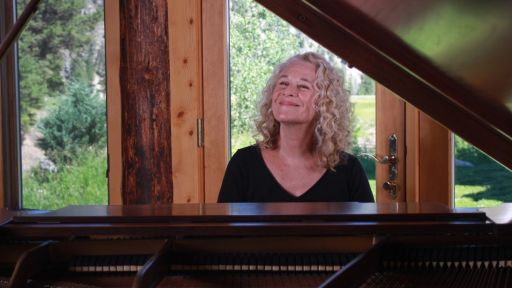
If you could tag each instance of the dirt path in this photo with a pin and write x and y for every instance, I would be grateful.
(31, 154)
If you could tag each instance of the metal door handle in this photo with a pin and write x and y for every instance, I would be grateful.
(391, 186)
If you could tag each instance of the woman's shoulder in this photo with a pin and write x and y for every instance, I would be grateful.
(347, 160)
(247, 153)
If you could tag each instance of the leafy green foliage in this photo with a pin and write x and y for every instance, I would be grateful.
(259, 40)
(81, 183)
(75, 125)
(59, 33)
(367, 86)
(61, 62)
(467, 152)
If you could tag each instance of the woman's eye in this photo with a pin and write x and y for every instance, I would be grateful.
(304, 87)
(283, 83)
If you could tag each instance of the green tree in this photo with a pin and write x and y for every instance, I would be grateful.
(258, 41)
(76, 124)
(58, 33)
(367, 86)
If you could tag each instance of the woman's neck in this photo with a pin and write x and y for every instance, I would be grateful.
(295, 141)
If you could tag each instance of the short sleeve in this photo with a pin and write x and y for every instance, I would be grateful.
(360, 188)
(232, 183)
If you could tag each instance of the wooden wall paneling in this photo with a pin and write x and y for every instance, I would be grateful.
(390, 119)
(112, 57)
(435, 160)
(145, 100)
(412, 178)
(186, 101)
(215, 92)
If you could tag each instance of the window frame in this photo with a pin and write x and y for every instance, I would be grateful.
(11, 138)
(10, 144)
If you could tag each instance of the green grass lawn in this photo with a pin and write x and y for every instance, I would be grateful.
(82, 183)
(364, 117)
(486, 184)
(373, 186)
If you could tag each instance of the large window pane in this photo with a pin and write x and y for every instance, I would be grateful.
(62, 104)
(479, 180)
(259, 40)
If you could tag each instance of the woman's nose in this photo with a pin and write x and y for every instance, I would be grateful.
(291, 90)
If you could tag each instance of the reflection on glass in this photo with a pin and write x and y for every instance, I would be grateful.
(258, 41)
(62, 104)
(479, 180)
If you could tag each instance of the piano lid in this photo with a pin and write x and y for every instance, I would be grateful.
(469, 40)
(449, 58)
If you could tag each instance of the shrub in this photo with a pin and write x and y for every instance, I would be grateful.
(78, 123)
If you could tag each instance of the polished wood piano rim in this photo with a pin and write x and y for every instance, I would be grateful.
(255, 218)
(63, 238)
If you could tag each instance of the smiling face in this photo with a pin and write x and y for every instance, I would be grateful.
(294, 94)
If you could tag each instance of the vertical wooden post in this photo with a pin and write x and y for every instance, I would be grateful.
(145, 98)
(215, 85)
(113, 60)
(185, 44)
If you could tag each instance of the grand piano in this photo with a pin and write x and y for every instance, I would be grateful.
(257, 245)
(309, 244)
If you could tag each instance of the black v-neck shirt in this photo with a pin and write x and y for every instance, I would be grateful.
(248, 179)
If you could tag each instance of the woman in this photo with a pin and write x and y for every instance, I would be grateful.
(304, 123)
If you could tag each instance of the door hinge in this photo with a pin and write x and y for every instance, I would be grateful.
(200, 131)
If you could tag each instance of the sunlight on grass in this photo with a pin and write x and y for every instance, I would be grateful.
(80, 184)
(373, 185)
(467, 196)
(364, 117)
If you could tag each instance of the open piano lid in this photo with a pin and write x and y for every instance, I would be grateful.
(449, 58)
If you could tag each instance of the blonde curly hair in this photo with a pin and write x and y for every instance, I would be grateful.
(332, 105)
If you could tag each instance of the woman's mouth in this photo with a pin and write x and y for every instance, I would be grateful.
(288, 103)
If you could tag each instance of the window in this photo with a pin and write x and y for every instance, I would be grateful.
(259, 40)
(479, 180)
(61, 74)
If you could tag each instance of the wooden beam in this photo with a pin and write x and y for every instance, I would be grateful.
(145, 98)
